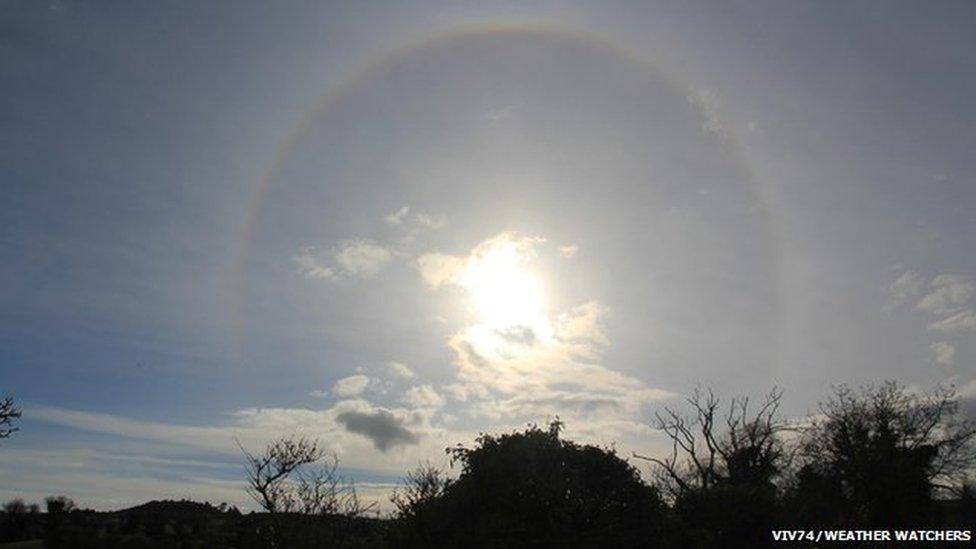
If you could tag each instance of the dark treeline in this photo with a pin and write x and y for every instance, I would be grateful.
(879, 457)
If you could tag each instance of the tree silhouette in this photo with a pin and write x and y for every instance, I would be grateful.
(722, 470)
(295, 475)
(532, 488)
(415, 501)
(878, 455)
(9, 412)
(710, 449)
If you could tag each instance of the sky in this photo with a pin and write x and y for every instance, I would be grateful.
(395, 225)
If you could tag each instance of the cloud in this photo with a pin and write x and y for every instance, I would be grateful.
(428, 221)
(423, 396)
(951, 297)
(945, 353)
(363, 258)
(960, 322)
(569, 251)
(907, 286)
(582, 324)
(255, 427)
(496, 115)
(533, 365)
(412, 226)
(310, 267)
(401, 370)
(438, 269)
(520, 335)
(560, 375)
(555, 402)
(949, 293)
(351, 386)
(397, 217)
(708, 104)
(463, 391)
(382, 427)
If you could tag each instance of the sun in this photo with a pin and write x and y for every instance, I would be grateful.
(505, 292)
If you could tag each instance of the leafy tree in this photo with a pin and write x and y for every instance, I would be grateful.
(532, 488)
(57, 505)
(877, 456)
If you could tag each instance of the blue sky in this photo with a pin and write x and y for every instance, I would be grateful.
(395, 225)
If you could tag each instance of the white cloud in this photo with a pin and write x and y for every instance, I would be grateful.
(907, 286)
(400, 370)
(582, 324)
(541, 367)
(428, 221)
(255, 427)
(412, 226)
(949, 293)
(351, 386)
(310, 267)
(423, 396)
(363, 258)
(569, 251)
(463, 391)
(962, 321)
(945, 353)
(439, 269)
(397, 217)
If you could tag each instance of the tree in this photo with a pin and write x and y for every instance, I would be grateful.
(721, 474)
(57, 505)
(422, 485)
(17, 519)
(58, 508)
(880, 454)
(415, 502)
(268, 474)
(533, 488)
(707, 450)
(295, 475)
(9, 413)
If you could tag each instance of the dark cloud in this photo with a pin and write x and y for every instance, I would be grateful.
(522, 335)
(380, 426)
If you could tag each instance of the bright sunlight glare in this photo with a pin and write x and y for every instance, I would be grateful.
(504, 291)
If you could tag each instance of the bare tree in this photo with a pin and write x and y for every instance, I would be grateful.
(709, 449)
(421, 485)
(268, 473)
(295, 475)
(9, 412)
(321, 490)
